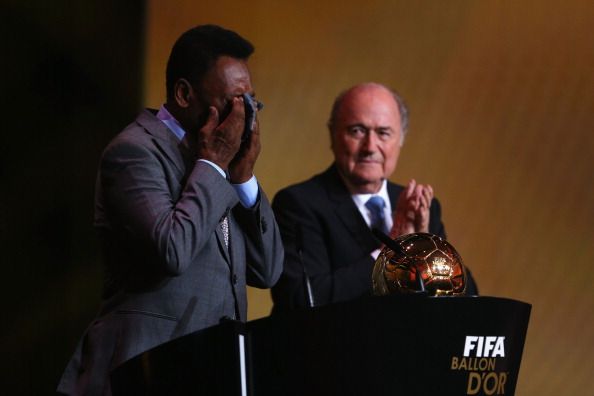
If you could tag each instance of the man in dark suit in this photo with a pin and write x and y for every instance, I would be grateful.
(183, 222)
(325, 221)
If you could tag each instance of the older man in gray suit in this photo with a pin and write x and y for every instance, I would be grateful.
(183, 222)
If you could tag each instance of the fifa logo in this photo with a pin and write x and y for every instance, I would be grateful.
(479, 360)
(484, 346)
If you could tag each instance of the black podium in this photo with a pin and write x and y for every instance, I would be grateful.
(393, 345)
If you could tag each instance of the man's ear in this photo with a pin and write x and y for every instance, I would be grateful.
(183, 92)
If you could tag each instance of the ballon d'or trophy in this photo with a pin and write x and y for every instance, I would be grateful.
(417, 263)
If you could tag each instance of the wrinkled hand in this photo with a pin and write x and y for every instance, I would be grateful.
(412, 210)
(423, 196)
(220, 143)
(241, 168)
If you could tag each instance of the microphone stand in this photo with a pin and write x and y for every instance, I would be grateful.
(309, 301)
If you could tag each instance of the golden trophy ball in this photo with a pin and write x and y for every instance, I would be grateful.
(399, 266)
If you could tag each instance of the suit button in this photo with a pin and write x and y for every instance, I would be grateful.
(234, 279)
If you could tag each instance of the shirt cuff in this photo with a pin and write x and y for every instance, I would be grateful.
(218, 168)
(247, 192)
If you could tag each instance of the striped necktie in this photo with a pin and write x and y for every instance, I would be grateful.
(376, 206)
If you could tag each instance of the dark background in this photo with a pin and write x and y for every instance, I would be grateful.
(71, 77)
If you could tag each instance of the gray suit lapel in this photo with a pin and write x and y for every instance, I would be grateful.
(178, 154)
(221, 243)
(169, 144)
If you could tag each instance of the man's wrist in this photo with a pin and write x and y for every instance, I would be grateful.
(240, 176)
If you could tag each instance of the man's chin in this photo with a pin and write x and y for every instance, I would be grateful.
(366, 184)
(365, 176)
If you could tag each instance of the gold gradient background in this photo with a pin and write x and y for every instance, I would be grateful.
(502, 117)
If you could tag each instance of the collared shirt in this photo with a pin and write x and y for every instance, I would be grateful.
(361, 199)
(247, 192)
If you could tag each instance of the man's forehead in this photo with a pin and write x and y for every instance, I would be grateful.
(373, 106)
(369, 93)
(229, 74)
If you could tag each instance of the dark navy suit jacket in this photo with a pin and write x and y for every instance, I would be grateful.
(336, 242)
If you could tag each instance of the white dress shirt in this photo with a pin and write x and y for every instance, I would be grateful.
(361, 199)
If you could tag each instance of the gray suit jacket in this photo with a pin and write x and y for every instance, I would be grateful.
(168, 270)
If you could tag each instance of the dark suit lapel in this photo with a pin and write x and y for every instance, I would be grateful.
(394, 191)
(346, 210)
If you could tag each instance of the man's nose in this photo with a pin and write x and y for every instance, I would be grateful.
(370, 142)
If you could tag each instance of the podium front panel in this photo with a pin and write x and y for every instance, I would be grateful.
(206, 362)
(393, 345)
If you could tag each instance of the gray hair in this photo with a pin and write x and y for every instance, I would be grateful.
(402, 108)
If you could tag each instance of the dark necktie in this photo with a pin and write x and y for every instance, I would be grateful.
(376, 206)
